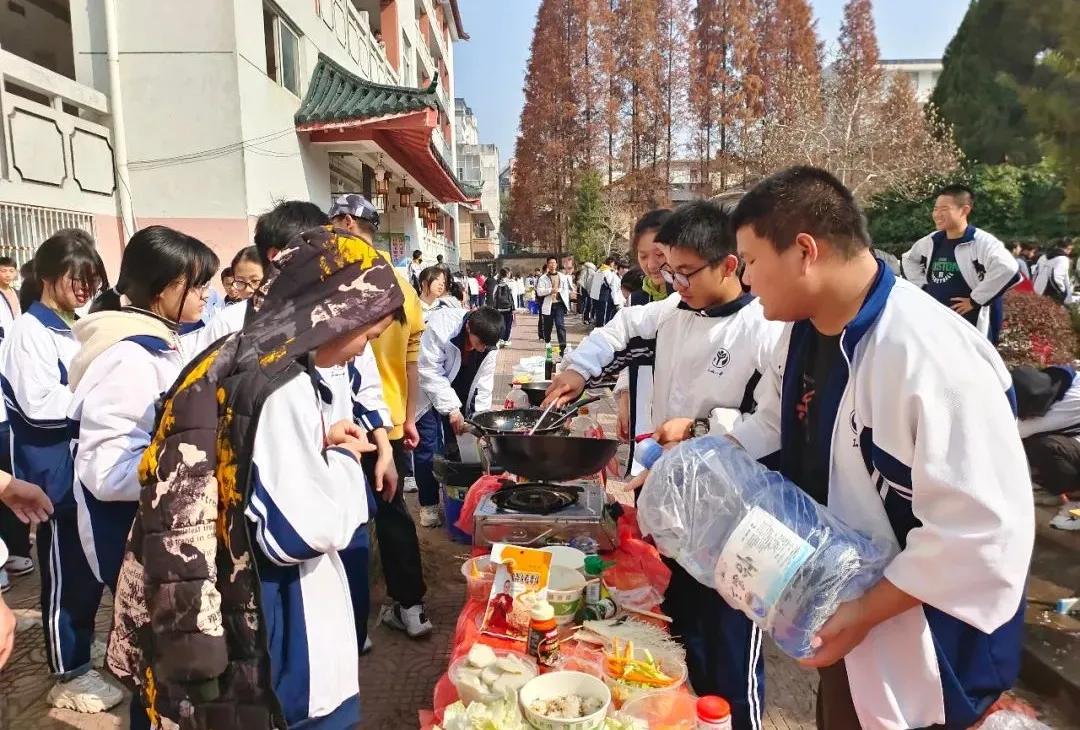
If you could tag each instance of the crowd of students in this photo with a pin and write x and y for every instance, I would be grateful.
(771, 321)
(216, 464)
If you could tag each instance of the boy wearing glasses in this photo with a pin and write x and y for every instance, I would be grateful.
(709, 345)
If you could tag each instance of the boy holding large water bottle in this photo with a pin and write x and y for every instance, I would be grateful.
(900, 417)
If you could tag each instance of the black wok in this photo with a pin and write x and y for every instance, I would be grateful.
(551, 458)
(521, 420)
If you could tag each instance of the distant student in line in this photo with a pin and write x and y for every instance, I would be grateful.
(963, 267)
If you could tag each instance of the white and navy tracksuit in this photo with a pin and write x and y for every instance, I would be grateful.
(1052, 277)
(451, 379)
(354, 391)
(127, 361)
(1052, 440)
(605, 292)
(977, 266)
(34, 359)
(706, 364)
(917, 418)
(307, 504)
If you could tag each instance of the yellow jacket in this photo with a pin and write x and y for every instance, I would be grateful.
(398, 345)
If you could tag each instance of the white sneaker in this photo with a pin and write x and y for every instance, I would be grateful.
(429, 517)
(1065, 520)
(17, 565)
(89, 693)
(97, 654)
(410, 484)
(5, 581)
(368, 646)
(413, 621)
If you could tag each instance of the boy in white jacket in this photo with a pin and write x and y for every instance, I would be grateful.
(709, 345)
(457, 375)
(963, 267)
(900, 418)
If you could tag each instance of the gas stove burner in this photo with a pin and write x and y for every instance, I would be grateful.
(535, 498)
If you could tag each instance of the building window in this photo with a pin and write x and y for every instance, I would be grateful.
(282, 50)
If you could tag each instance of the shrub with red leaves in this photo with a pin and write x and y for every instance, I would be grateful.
(1037, 331)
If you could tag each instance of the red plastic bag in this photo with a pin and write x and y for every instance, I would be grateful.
(481, 488)
(636, 558)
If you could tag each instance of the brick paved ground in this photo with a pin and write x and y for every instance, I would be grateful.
(397, 678)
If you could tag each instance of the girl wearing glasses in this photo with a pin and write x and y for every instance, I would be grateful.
(35, 360)
(247, 275)
(129, 355)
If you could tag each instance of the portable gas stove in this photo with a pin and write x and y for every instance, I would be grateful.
(537, 514)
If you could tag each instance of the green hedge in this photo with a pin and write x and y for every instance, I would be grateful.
(1011, 202)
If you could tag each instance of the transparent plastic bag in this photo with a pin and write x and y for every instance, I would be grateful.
(767, 547)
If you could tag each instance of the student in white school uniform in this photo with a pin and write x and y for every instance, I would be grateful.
(900, 418)
(34, 361)
(1052, 274)
(14, 533)
(129, 356)
(709, 346)
(556, 288)
(965, 268)
(457, 375)
(256, 626)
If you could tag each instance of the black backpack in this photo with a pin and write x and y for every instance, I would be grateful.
(504, 298)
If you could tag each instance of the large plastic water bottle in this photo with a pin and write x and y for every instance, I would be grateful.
(757, 538)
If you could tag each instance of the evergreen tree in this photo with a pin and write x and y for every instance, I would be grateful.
(588, 227)
(995, 42)
(1052, 97)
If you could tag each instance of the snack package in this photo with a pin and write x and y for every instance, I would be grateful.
(520, 581)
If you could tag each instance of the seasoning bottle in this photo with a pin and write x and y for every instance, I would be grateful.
(594, 570)
(544, 634)
(549, 362)
(584, 426)
(713, 713)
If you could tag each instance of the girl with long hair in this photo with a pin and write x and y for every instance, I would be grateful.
(35, 360)
(130, 354)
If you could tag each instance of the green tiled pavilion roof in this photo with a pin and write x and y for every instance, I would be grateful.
(335, 95)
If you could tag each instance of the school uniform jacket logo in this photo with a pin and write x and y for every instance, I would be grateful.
(721, 359)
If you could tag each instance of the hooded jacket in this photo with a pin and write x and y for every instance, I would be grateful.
(127, 359)
(190, 633)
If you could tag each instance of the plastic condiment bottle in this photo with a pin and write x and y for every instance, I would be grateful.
(544, 634)
(713, 713)
(594, 569)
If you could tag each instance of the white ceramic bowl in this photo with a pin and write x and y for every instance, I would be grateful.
(565, 593)
(566, 556)
(558, 684)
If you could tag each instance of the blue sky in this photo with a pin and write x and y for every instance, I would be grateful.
(490, 68)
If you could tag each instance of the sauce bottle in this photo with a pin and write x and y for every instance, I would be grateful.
(544, 634)
(713, 713)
